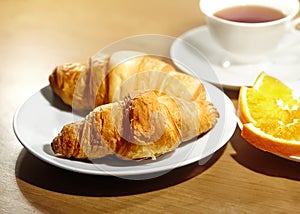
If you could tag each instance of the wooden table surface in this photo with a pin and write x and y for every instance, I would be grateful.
(35, 36)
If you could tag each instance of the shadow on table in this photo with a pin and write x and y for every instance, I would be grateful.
(263, 162)
(36, 172)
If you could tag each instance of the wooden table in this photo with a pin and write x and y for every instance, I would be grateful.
(38, 35)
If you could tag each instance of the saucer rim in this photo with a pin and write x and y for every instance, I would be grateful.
(227, 84)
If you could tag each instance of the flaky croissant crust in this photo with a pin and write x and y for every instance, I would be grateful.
(142, 126)
(85, 87)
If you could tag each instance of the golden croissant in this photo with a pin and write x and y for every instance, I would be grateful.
(85, 87)
(142, 126)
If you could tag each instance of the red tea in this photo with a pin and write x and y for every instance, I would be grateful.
(250, 14)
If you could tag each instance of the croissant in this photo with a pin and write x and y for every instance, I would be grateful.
(85, 86)
(77, 83)
(142, 126)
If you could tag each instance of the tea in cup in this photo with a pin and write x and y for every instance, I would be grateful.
(249, 30)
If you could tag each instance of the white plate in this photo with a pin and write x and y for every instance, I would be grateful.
(196, 45)
(42, 116)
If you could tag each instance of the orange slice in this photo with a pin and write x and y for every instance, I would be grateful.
(270, 114)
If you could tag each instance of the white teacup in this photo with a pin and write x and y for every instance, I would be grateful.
(249, 42)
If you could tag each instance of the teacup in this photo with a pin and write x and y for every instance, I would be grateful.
(246, 42)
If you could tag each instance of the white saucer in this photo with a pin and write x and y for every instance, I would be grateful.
(196, 46)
